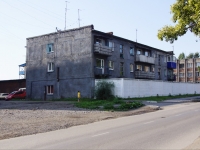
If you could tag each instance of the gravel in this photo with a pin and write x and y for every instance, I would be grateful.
(19, 118)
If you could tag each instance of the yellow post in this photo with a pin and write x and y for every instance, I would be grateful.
(79, 95)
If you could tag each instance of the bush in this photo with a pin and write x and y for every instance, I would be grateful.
(103, 90)
(132, 105)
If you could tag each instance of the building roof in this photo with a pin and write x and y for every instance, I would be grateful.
(53, 33)
(107, 34)
(22, 65)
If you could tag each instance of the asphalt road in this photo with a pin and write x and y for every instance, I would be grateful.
(174, 127)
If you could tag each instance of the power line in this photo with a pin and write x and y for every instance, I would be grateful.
(27, 14)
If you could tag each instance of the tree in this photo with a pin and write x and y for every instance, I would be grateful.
(191, 55)
(186, 16)
(181, 56)
(103, 90)
(196, 55)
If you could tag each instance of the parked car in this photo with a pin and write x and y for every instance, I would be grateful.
(3, 95)
(17, 95)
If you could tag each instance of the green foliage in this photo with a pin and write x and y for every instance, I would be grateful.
(131, 105)
(199, 68)
(186, 17)
(196, 55)
(181, 56)
(191, 55)
(103, 90)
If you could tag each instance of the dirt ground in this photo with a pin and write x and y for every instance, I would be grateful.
(18, 118)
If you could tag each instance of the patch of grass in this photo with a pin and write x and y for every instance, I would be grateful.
(162, 98)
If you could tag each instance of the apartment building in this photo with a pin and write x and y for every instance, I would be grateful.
(188, 70)
(61, 63)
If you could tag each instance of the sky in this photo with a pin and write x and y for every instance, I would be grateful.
(20, 19)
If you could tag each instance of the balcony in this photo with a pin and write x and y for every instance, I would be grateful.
(144, 75)
(101, 72)
(145, 59)
(171, 77)
(171, 65)
(103, 50)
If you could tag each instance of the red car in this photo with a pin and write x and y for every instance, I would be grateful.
(16, 95)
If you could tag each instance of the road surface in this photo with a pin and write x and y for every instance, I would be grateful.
(174, 127)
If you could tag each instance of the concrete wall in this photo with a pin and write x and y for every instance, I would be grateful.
(72, 55)
(141, 88)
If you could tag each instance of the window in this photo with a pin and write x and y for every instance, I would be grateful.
(139, 68)
(181, 65)
(181, 74)
(197, 64)
(121, 51)
(152, 69)
(138, 52)
(189, 65)
(197, 74)
(50, 89)
(146, 69)
(131, 51)
(165, 72)
(99, 63)
(189, 74)
(111, 65)
(50, 67)
(111, 45)
(147, 53)
(165, 59)
(121, 68)
(131, 67)
(49, 48)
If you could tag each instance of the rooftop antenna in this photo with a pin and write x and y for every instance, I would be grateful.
(66, 13)
(79, 17)
(136, 35)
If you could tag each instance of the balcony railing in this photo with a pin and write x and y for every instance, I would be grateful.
(146, 59)
(144, 75)
(171, 77)
(104, 50)
(102, 72)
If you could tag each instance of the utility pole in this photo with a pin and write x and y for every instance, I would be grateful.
(79, 17)
(65, 13)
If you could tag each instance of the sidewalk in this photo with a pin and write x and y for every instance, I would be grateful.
(194, 146)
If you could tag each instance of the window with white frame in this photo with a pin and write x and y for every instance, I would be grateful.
(111, 65)
(189, 65)
(139, 67)
(131, 51)
(131, 67)
(147, 53)
(189, 74)
(50, 67)
(138, 52)
(49, 89)
(49, 48)
(197, 64)
(146, 68)
(99, 63)
(165, 59)
(111, 45)
(197, 74)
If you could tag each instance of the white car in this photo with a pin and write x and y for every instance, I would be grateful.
(3, 95)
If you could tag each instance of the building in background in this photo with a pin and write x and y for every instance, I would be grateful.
(22, 71)
(188, 70)
(61, 63)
